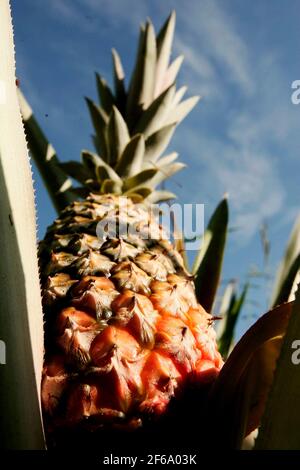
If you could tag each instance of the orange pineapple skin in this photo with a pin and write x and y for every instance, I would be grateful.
(124, 334)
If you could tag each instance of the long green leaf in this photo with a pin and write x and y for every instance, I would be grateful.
(179, 95)
(182, 110)
(160, 196)
(227, 300)
(164, 46)
(96, 142)
(141, 87)
(106, 97)
(56, 181)
(281, 421)
(208, 264)
(167, 159)
(111, 186)
(139, 179)
(100, 120)
(157, 143)
(118, 135)
(119, 81)
(239, 395)
(92, 161)
(166, 171)
(77, 171)
(179, 241)
(153, 118)
(172, 72)
(21, 318)
(131, 159)
(138, 194)
(288, 268)
(231, 316)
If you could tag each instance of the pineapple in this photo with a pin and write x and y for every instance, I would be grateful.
(124, 333)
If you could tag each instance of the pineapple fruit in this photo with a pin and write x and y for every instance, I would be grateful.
(124, 333)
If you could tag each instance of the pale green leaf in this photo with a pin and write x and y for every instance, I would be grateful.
(106, 97)
(157, 143)
(96, 142)
(281, 420)
(239, 394)
(208, 263)
(288, 268)
(131, 159)
(100, 121)
(182, 110)
(111, 186)
(172, 72)
(141, 88)
(160, 196)
(139, 179)
(179, 241)
(164, 46)
(119, 80)
(179, 95)
(226, 302)
(153, 118)
(167, 159)
(231, 317)
(21, 317)
(77, 171)
(165, 172)
(92, 161)
(56, 181)
(118, 135)
(138, 194)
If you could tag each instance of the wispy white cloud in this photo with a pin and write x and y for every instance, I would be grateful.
(213, 30)
(126, 11)
(65, 10)
(245, 158)
(197, 62)
(250, 177)
(206, 24)
(118, 12)
(198, 71)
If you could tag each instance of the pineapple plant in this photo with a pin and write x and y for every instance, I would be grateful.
(127, 345)
(124, 333)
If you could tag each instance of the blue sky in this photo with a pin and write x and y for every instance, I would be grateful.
(243, 137)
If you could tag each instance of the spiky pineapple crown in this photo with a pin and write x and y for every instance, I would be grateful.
(133, 127)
